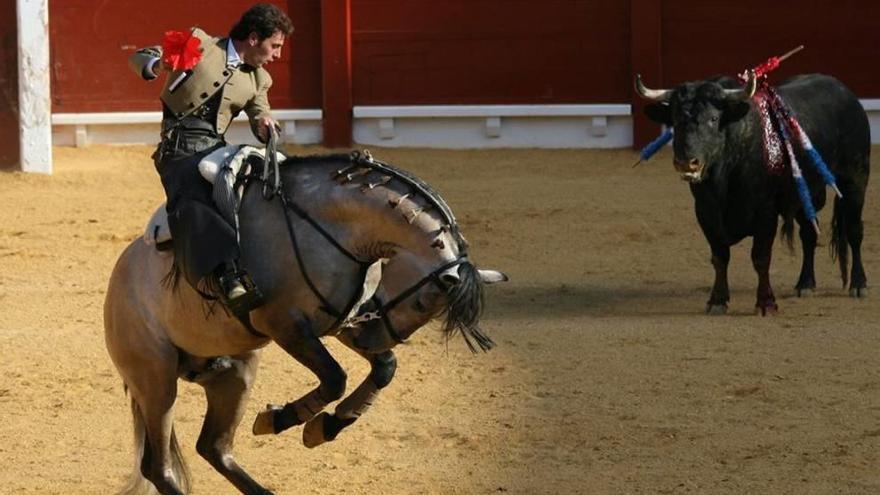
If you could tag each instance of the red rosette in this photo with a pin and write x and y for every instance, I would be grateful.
(181, 50)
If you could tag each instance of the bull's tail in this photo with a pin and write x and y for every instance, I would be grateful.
(787, 231)
(839, 241)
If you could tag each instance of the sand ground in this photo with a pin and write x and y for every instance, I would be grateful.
(607, 379)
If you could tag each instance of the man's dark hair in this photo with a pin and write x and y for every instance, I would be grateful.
(264, 19)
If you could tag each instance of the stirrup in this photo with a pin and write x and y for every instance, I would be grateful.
(239, 293)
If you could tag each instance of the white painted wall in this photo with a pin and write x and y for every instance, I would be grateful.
(82, 129)
(34, 102)
(453, 126)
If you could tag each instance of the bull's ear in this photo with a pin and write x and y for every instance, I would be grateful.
(735, 111)
(659, 112)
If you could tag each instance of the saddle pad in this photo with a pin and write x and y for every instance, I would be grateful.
(157, 230)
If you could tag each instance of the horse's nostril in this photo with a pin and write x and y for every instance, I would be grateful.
(694, 162)
(450, 280)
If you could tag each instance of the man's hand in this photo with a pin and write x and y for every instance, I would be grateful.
(263, 128)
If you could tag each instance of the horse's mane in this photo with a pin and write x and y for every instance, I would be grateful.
(360, 161)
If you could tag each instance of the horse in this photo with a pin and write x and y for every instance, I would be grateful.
(340, 245)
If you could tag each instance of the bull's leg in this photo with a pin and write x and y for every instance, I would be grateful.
(852, 211)
(762, 253)
(717, 304)
(325, 427)
(302, 343)
(806, 283)
(227, 393)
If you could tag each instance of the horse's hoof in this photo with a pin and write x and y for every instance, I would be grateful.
(264, 424)
(313, 431)
(805, 292)
(858, 292)
(716, 309)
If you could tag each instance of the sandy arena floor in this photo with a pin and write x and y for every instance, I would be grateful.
(608, 378)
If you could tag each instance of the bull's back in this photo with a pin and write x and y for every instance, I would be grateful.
(834, 119)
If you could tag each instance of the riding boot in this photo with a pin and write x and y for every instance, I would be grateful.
(237, 290)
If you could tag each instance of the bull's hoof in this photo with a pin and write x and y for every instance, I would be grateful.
(313, 431)
(858, 292)
(805, 292)
(716, 309)
(766, 309)
(264, 424)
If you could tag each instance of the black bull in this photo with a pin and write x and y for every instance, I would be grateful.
(718, 147)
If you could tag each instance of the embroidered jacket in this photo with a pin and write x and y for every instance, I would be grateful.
(243, 88)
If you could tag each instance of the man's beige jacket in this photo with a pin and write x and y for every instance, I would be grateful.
(185, 91)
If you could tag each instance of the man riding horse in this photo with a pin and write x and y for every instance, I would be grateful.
(209, 82)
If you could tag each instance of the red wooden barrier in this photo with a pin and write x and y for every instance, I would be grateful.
(419, 52)
(490, 52)
(336, 27)
(91, 43)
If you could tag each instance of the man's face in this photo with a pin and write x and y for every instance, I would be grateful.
(257, 53)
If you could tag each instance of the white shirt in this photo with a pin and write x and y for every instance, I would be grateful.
(232, 58)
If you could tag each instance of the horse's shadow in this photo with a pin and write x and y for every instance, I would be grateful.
(562, 300)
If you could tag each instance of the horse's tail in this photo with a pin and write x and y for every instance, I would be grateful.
(839, 240)
(137, 484)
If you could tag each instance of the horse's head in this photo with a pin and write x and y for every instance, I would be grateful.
(387, 213)
(415, 290)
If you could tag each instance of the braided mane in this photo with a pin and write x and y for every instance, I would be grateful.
(361, 164)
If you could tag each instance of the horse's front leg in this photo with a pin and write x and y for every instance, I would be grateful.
(325, 427)
(302, 343)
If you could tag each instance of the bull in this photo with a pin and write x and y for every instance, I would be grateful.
(718, 148)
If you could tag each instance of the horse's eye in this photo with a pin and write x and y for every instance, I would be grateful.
(419, 306)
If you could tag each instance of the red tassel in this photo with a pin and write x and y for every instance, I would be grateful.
(770, 65)
(181, 50)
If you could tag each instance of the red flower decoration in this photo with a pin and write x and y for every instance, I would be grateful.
(181, 50)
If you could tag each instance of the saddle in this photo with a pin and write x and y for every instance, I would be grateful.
(220, 168)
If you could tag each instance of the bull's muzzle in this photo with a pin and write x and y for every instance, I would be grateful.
(690, 170)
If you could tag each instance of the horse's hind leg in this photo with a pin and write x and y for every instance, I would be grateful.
(154, 392)
(227, 393)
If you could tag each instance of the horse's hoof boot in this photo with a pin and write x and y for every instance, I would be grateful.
(264, 424)
(313, 431)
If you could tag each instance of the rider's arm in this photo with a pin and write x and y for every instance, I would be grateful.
(146, 62)
(257, 109)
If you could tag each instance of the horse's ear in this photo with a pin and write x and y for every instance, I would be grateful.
(492, 276)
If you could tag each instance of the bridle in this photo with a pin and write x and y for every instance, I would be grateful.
(380, 311)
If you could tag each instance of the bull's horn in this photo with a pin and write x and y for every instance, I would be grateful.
(747, 91)
(651, 94)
